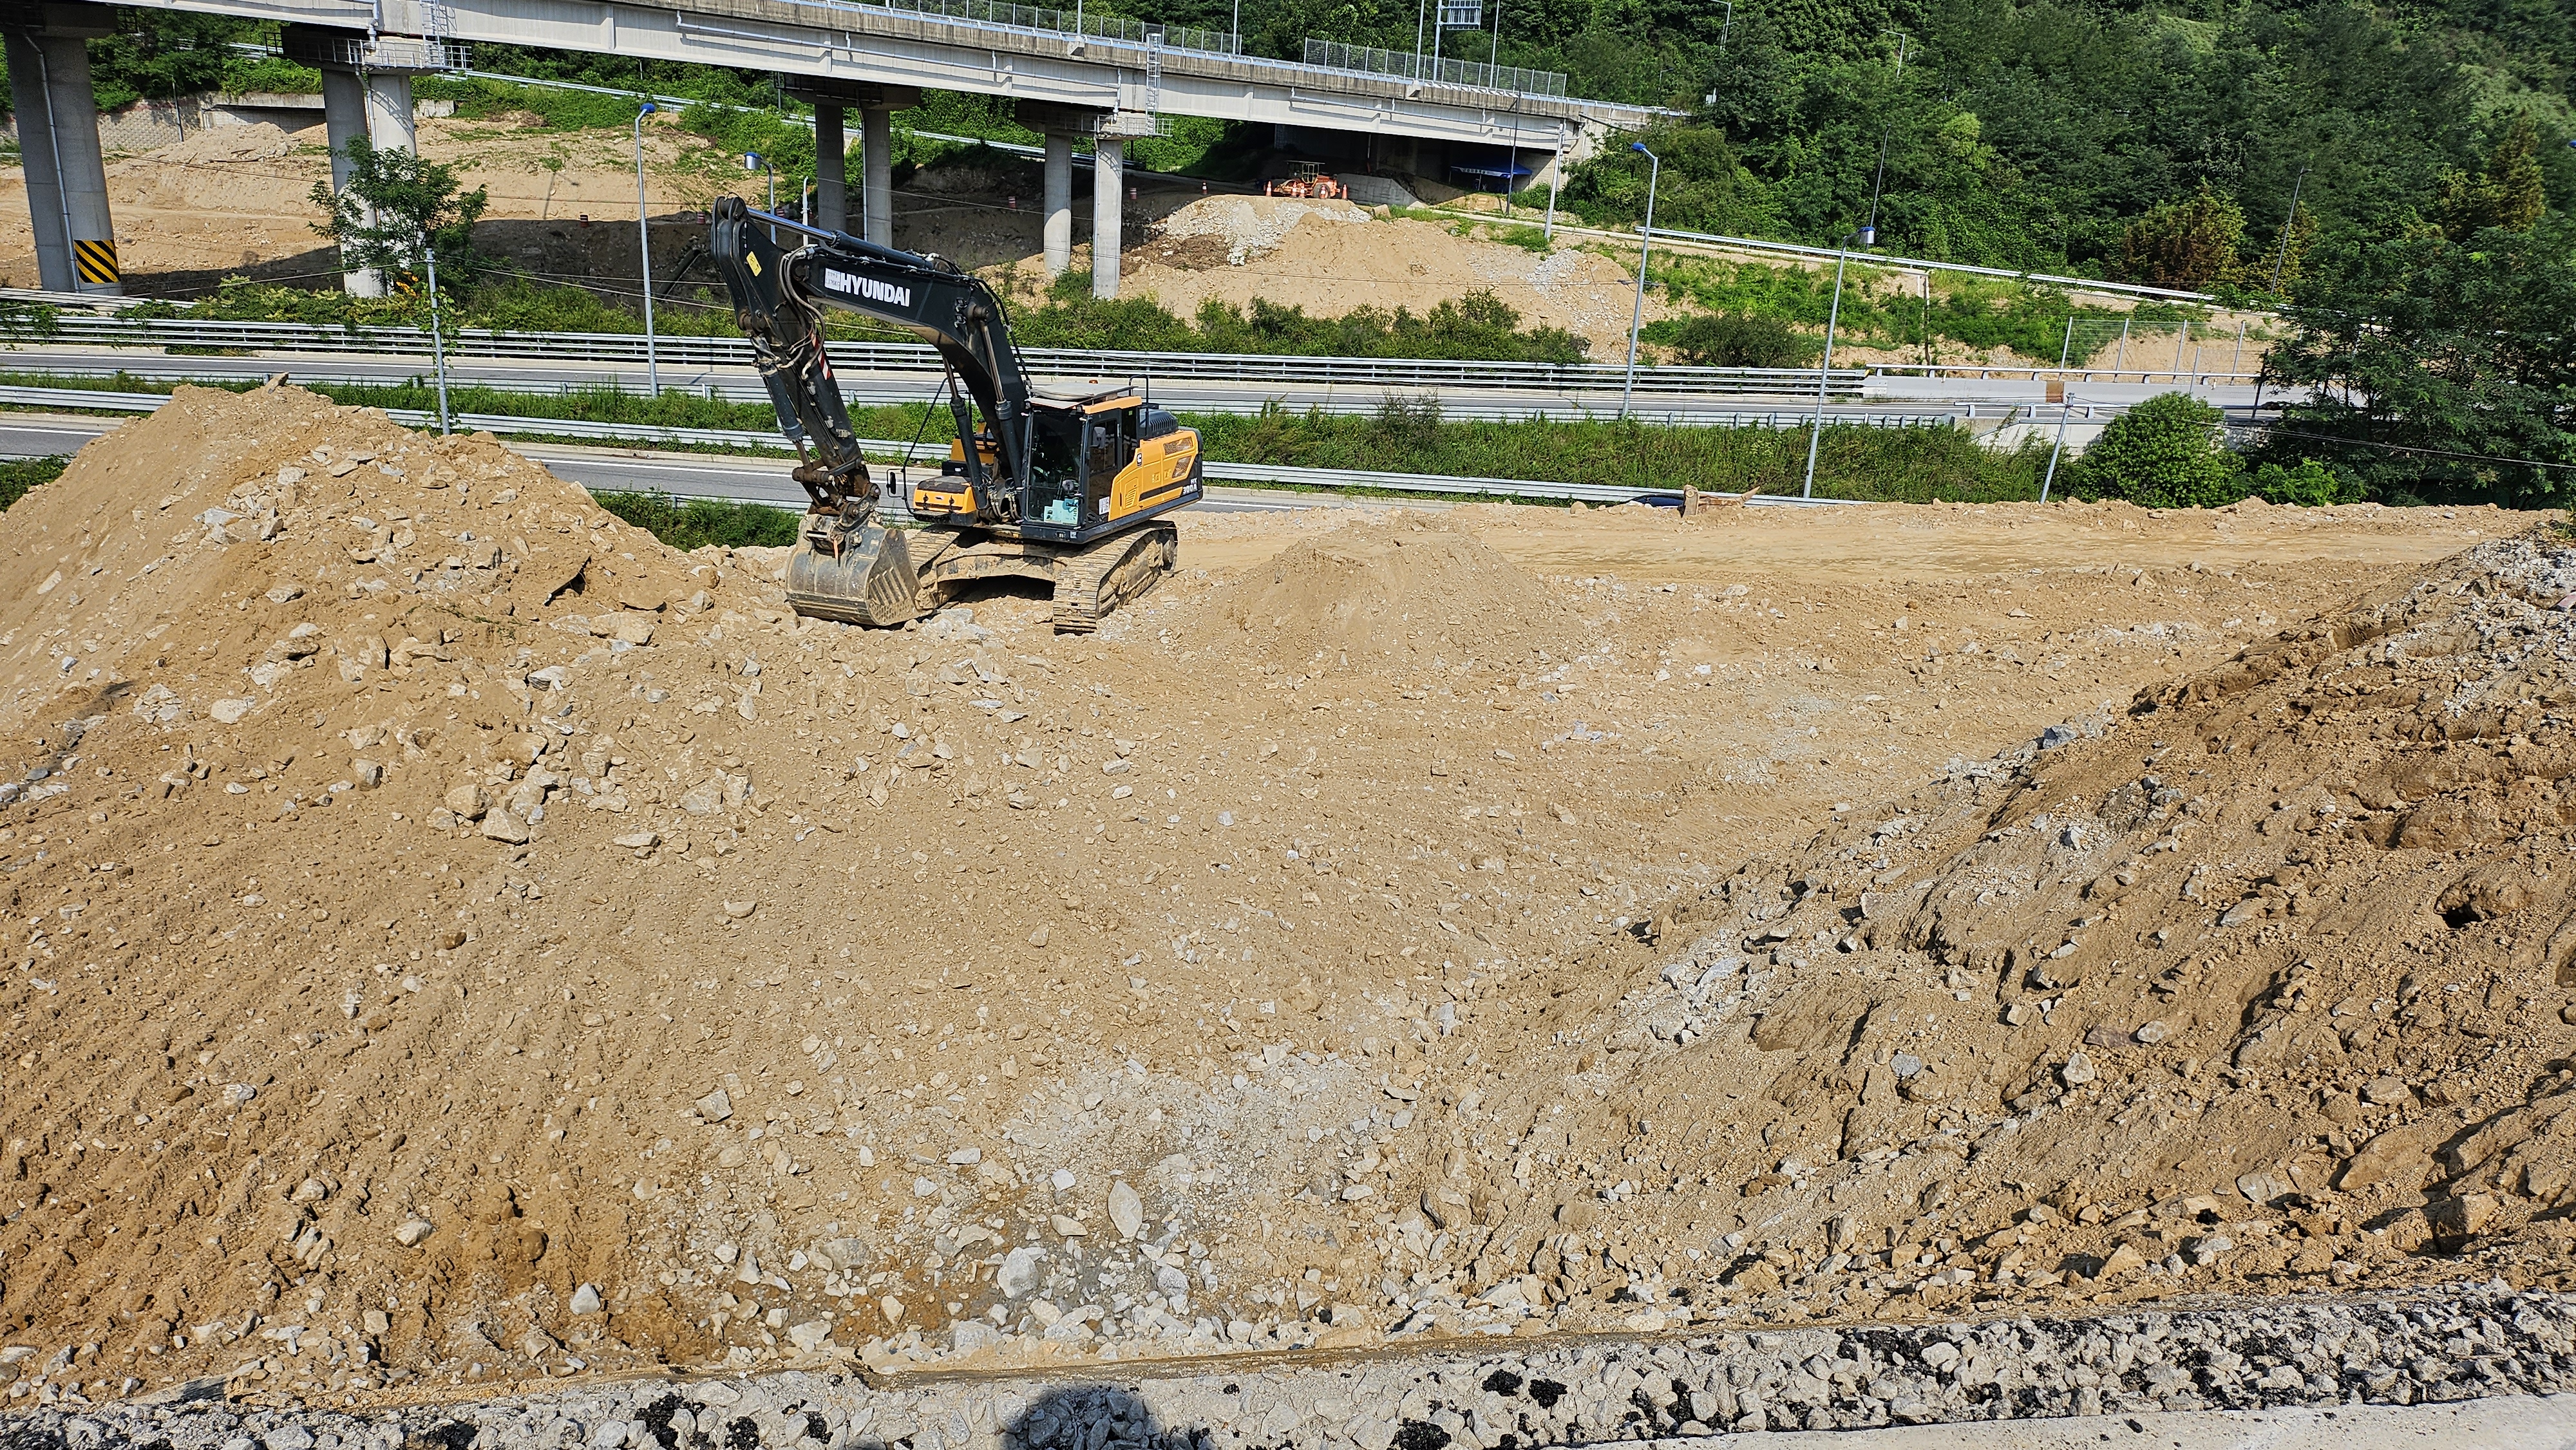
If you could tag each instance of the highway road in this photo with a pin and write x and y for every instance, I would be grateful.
(681, 475)
(1976, 400)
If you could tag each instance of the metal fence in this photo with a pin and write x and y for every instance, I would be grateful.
(1116, 29)
(1363, 60)
(122, 330)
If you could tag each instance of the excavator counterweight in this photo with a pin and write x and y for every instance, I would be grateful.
(1069, 490)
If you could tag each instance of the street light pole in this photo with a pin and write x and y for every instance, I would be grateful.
(1901, 38)
(2065, 406)
(644, 244)
(754, 161)
(2291, 221)
(1866, 236)
(437, 341)
(1645, 244)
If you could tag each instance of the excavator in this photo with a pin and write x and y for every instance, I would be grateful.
(1069, 491)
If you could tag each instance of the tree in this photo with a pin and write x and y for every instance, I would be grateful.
(2163, 453)
(394, 202)
(2188, 244)
(2507, 192)
(2429, 369)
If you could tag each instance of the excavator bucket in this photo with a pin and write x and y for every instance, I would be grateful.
(872, 582)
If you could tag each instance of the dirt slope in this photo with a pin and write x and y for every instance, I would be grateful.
(2267, 984)
(465, 938)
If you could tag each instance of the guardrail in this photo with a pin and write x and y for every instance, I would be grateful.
(762, 440)
(915, 389)
(101, 400)
(167, 332)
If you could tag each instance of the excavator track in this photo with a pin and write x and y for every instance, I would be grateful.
(1092, 582)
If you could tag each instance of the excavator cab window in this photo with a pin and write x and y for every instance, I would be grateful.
(1159, 424)
(1055, 472)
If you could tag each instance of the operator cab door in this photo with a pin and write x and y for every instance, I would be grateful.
(1108, 443)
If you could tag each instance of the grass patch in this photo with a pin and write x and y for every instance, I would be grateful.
(698, 522)
(1913, 465)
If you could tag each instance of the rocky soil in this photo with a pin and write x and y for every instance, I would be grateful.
(466, 943)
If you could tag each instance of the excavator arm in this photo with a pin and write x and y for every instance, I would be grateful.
(778, 296)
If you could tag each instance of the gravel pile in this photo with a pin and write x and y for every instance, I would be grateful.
(2397, 1350)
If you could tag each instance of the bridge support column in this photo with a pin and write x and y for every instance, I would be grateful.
(1059, 203)
(58, 142)
(1108, 187)
(876, 138)
(344, 119)
(831, 168)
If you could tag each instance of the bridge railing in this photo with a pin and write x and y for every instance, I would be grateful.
(1334, 55)
(1090, 24)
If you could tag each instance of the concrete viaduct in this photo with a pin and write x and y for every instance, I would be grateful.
(1063, 77)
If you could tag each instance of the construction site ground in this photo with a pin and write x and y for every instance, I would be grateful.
(465, 941)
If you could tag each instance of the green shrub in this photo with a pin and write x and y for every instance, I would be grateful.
(1733, 340)
(2163, 453)
(2310, 485)
(17, 475)
(702, 521)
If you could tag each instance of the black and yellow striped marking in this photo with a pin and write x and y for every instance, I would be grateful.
(96, 261)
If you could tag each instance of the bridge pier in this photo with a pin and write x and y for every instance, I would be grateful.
(1108, 185)
(1059, 124)
(366, 91)
(66, 172)
(831, 168)
(833, 100)
(876, 139)
(1058, 244)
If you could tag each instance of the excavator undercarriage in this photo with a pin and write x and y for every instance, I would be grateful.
(885, 576)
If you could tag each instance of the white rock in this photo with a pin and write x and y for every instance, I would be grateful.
(2079, 1070)
(585, 1299)
(412, 1232)
(609, 1435)
(810, 1335)
(1021, 1270)
(230, 712)
(739, 909)
(716, 1106)
(967, 1157)
(1062, 1180)
(637, 840)
(1126, 1210)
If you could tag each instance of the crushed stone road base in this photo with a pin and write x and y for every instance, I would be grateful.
(2418, 1350)
(2516, 1423)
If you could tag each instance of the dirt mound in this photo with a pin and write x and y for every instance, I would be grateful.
(463, 938)
(2267, 982)
(1393, 593)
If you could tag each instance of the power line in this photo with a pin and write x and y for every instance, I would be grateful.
(2398, 447)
